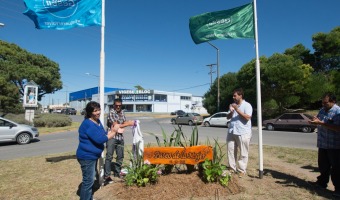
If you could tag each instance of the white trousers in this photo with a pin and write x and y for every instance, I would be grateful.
(235, 142)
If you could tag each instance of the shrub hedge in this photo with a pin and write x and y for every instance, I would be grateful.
(52, 120)
(42, 120)
(18, 118)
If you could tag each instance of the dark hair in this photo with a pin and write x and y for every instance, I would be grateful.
(331, 97)
(117, 100)
(239, 91)
(90, 106)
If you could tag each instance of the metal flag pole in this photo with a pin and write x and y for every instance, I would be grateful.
(258, 89)
(101, 88)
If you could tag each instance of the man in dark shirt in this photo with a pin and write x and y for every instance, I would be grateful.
(328, 121)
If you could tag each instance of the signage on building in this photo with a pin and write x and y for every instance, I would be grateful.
(134, 92)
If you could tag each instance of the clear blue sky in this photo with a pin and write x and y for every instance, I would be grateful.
(148, 42)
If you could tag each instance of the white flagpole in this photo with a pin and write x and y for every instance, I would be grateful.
(101, 89)
(258, 89)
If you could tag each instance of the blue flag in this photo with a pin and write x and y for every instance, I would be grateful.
(64, 14)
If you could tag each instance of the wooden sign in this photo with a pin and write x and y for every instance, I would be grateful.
(178, 155)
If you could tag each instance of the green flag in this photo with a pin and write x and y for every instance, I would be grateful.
(226, 24)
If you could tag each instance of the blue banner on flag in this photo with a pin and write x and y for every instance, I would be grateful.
(64, 14)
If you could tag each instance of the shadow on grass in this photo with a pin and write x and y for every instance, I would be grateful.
(60, 158)
(293, 181)
(311, 168)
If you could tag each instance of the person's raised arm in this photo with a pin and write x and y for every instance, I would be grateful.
(242, 114)
(126, 123)
(113, 130)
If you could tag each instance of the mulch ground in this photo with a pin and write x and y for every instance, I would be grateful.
(172, 186)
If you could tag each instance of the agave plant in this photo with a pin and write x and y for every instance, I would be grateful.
(141, 172)
(173, 140)
(193, 142)
(177, 138)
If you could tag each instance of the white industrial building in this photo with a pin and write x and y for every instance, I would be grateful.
(140, 100)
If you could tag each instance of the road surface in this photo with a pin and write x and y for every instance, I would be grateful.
(68, 141)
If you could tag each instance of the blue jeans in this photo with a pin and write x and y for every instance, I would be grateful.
(111, 146)
(88, 169)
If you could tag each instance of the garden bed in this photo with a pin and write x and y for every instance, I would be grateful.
(171, 186)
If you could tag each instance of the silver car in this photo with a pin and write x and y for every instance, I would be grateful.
(217, 119)
(13, 132)
(188, 118)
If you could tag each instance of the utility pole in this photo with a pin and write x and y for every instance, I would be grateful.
(211, 72)
(218, 75)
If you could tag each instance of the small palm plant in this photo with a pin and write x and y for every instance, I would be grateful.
(141, 172)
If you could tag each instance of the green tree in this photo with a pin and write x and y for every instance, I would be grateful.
(246, 78)
(317, 85)
(301, 52)
(227, 84)
(9, 95)
(285, 80)
(335, 81)
(138, 87)
(18, 66)
(327, 50)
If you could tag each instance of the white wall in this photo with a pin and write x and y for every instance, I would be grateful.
(173, 103)
(160, 107)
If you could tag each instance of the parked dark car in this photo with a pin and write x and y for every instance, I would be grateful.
(13, 132)
(188, 118)
(297, 121)
(178, 112)
(69, 111)
(83, 111)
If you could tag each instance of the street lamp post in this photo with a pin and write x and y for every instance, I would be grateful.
(218, 76)
(89, 74)
(66, 101)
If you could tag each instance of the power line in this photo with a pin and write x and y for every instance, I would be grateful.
(191, 87)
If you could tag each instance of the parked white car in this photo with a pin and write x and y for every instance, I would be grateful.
(217, 119)
(13, 132)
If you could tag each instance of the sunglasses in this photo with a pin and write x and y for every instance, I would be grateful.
(118, 105)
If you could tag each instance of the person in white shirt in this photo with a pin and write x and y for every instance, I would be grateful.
(239, 132)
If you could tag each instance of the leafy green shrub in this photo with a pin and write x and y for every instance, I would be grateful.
(141, 172)
(213, 170)
(42, 120)
(52, 120)
(18, 118)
